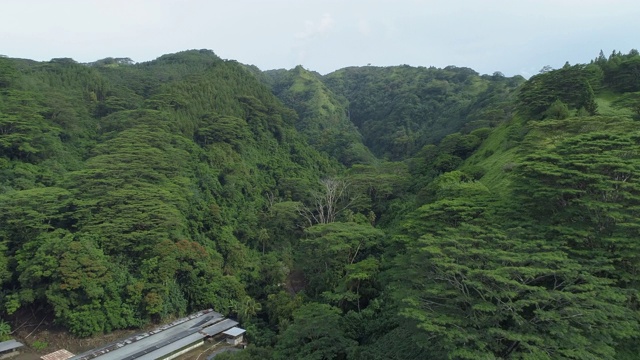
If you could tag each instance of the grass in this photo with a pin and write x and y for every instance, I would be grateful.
(605, 107)
(497, 155)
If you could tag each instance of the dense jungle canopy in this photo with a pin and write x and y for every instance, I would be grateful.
(370, 213)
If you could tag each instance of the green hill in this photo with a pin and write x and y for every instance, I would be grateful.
(400, 109)
(323, 118)
(534, 235)
(134, 192)
(371, 213)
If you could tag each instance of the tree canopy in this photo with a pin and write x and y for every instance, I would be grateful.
(371, 213)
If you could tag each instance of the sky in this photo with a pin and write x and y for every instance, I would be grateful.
(515, 37)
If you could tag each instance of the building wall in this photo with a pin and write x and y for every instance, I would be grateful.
(234, 341)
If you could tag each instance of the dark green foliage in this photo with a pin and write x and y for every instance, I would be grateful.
(26, 136)
(480, 287)
(569, 85)
(227, 129)
(558, 110)
(7, 73)
(588, 182)
(400, 109)
(630, 101)
(331, 253)
(85, 290)
(315, 334)
(322, 117)
(376, 187)
(621, 73)
(132, 193)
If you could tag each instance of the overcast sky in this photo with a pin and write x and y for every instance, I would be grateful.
(511, 36)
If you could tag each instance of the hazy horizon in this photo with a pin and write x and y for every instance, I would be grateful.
(515, 38)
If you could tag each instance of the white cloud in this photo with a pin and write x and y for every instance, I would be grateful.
(312, 30)
(364, 28)
(316, 28)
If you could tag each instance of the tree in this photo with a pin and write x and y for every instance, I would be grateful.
(478, 285)
(569, 85)
(248, 308)
(131, 193)
(315, 334)
(545, 69)
(328, 202)
(358, 282)
(26, 214)
(587, 183)
(630, 101)
(558, 110)
(8, 73)
(24, 134)
(329, 249)
(626, 78)
(75, 278)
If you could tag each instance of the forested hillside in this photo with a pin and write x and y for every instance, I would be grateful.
(371, 213)
(400, 109)
(135, 192)
(324, 117)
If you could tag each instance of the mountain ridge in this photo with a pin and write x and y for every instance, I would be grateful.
(364, 214)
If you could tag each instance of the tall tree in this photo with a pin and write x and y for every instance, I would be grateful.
(315, 334)
(477, 289)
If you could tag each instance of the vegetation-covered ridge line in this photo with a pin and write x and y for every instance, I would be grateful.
(371, 213)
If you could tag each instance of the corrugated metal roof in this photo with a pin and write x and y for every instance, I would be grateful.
(216, 329)
(164, 340)
(235, 331)
(140, 344)
(10, 345)
(174, 346)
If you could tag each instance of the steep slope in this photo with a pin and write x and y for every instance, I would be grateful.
(400, 109)
(130, 193)
(323, 118)
(542, 242)
(136, 192)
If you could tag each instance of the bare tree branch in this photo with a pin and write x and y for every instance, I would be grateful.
(328, 203)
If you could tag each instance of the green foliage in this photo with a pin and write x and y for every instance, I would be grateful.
(569, 85)
(5, 330)
(587, 181)
(558, 110)
(39, 345)
(232, 130)
(322, 117)
(629, 101)
(400, 109)
(376, 187)
(8, 73)
(25, 135)
(131, 193)
(77, 280)
(316, 333)
(478, 286)
(329, 249)
(621, 72)
(134, 192)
